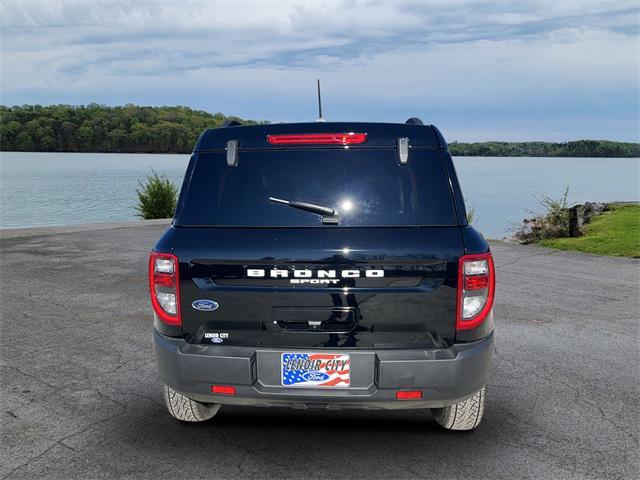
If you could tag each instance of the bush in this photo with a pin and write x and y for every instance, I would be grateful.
(157, 198)
(471, 213)
(553, 223)
(556, 218)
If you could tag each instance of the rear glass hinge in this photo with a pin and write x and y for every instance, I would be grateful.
(232, 153)
(403, 150)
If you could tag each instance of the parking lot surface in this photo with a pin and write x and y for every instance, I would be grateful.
(81, 399)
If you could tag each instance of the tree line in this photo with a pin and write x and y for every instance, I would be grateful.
(100, 128)
(578, 148)
(136, 129)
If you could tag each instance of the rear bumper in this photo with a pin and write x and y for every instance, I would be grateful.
(445, 375)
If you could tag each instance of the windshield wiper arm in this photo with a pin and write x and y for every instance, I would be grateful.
(309, 207)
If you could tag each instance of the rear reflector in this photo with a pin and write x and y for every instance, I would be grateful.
(318, 139)
(409, 395)
(223, 389)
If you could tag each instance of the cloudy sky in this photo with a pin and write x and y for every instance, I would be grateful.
(480, 70)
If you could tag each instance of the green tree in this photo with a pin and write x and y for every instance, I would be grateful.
(98, 128)
(132, 128)
(578, 148)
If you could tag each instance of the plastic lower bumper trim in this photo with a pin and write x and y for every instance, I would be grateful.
(445, 375)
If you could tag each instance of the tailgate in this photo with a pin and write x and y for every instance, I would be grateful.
(319, 288)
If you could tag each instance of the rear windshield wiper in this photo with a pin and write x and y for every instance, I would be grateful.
(329, 215)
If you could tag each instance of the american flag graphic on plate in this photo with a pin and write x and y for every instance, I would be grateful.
(315, 369)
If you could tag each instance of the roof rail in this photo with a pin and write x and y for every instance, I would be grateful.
(231, 123)
(414, 121)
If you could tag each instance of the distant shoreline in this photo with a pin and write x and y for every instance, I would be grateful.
(453, 154)
(572, 149)
(132, 129)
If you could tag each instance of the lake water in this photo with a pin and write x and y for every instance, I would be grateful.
(38, 189)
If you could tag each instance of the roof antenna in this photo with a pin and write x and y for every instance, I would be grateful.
(320, 119)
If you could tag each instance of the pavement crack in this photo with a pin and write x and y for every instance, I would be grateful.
(37, 379)
(104, 395)
(61, 442)
(579, 398)
(152, 400)
(57, 347)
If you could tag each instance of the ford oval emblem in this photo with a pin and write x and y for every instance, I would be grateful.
(315, 376)
(217, 340)
(205, 305)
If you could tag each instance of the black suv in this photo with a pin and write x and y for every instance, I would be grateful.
(323, 265)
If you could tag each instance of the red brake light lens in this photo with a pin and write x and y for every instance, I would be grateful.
(166, 280)
(350, 138)
(164, 287)
(476, 290)
(476, 282)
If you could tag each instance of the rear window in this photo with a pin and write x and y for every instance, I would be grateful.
(366, 187)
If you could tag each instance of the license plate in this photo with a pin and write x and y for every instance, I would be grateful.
(315, 369)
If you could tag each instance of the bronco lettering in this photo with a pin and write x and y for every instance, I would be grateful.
(307, 276)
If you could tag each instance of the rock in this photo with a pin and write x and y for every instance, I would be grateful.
(590, 209)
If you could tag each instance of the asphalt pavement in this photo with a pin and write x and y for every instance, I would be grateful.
(80, 396)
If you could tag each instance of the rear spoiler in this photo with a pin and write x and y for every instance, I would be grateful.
(326, 134)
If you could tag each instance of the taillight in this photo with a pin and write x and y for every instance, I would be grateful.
(476, 289)
(350, 138)
(164, 287)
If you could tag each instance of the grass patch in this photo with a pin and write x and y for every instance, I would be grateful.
(616, 232)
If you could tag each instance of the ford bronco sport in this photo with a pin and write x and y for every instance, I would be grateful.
(323, 265)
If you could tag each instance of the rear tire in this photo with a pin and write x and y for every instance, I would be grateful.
(464, 415)
(187, 410)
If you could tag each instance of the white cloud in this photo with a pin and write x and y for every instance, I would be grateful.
(455, 60)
